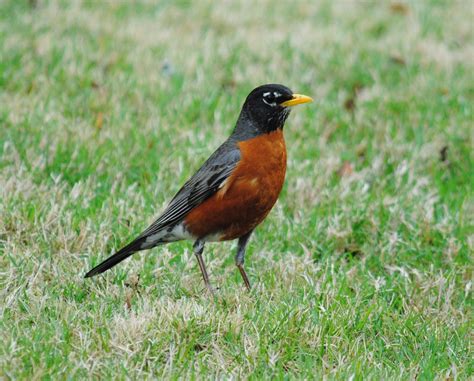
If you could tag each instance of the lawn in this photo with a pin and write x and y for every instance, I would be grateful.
(364, 268)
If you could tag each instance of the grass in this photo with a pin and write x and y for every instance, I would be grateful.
(363, 269)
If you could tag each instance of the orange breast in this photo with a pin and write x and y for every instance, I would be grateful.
(248, 195)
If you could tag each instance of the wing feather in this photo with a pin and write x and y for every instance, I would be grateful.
(201, 186)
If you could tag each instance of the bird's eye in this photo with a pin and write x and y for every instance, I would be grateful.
(269, 98)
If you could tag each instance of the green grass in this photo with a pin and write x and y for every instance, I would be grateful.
(364, 268)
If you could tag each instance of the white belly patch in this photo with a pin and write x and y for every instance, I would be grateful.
(170, 234)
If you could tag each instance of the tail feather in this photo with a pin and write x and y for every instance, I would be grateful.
(118, 257)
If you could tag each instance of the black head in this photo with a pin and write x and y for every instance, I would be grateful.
(266, 109)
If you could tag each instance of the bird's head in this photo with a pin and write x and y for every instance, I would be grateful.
(267, 107)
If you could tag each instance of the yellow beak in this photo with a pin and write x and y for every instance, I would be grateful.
(296, 100)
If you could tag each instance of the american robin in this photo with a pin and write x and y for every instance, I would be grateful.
(233, 191)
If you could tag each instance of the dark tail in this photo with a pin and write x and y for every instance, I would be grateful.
(118, 257)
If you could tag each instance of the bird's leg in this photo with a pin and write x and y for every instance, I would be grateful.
(239, 258)
(198, 249)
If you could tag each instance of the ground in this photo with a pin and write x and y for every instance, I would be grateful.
(363, 269)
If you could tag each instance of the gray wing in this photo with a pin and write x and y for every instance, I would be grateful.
(205, 182)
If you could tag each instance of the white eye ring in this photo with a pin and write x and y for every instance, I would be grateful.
(265, 95)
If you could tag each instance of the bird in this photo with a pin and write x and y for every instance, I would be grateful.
(233, 191)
